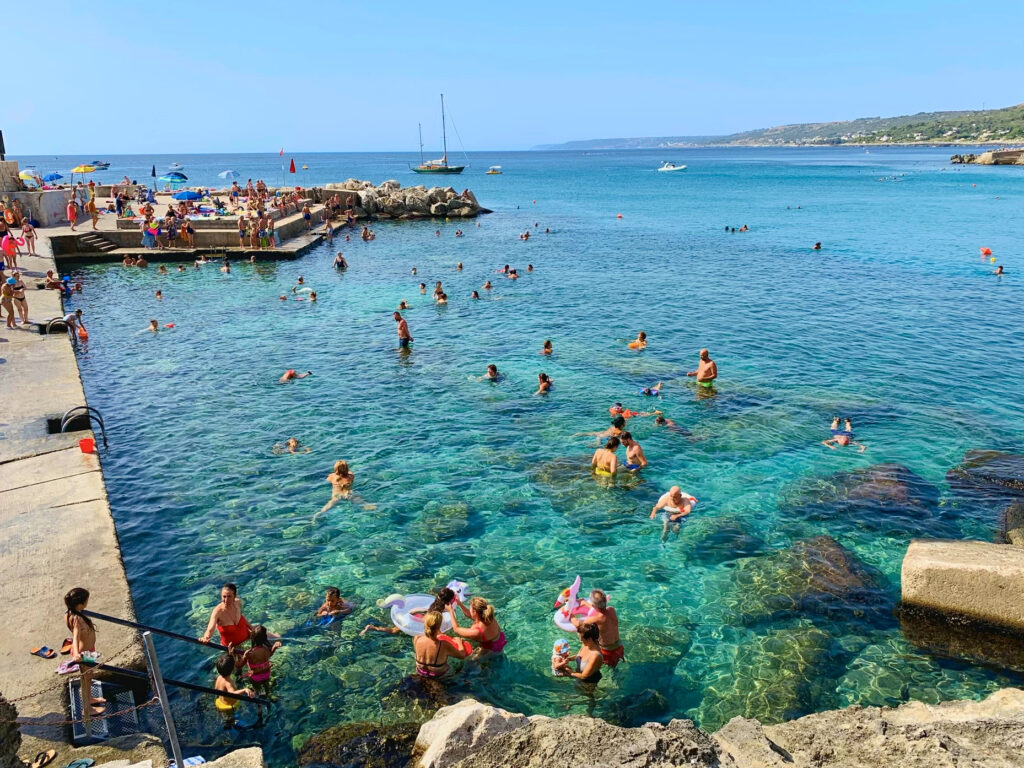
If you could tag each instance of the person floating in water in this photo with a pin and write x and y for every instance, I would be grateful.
(640, 342)
(291, 446)
(291, 374)
(674, 506)
(475, 295)
(492, 373)
(487, 285)
(651, 391)
(998, 270)
(842, 437)
(817, 246)
(707, 371)
(334, 605)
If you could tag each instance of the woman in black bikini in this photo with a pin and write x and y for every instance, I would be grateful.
(590, 658)
(432, 651)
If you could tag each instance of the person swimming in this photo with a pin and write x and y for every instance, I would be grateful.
(487, 285)
(651, 391)
(475, 295)
(291, 374)
(640, 342)
(547, 350)
(292, 445)
(543, 384)
(492, 373)
(842, 437)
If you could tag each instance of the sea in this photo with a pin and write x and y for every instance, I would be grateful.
(777, 595)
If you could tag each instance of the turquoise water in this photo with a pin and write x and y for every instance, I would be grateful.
(896, 322)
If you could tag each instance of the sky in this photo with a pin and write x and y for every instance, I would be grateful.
(195, 76)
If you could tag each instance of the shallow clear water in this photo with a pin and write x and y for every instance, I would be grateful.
(897, 322)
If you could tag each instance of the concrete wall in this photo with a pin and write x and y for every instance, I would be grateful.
(46, 207)
(9, 181)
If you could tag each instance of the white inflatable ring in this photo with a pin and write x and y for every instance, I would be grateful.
(407, 613)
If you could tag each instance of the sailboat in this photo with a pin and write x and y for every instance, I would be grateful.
(441, 165)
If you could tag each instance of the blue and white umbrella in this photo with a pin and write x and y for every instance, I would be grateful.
(52, 177)
(229, 174)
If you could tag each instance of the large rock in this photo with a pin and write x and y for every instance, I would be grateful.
(817, 575)
(439, 209)
(975, 579)
(249, 757)
(584, 742)
(741, 742)
(1012, 526)
(983, 734)
(888, 499)
(416, 201)
(361, 745)
(989, 470)
(461, 729)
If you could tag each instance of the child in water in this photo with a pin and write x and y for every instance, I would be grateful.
(257, 658)
(560, 659)
(292, 446)
(224, 705)
(333, 604)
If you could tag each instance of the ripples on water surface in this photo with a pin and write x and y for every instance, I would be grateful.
(896, 323)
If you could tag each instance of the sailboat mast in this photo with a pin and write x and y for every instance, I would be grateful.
(444, 133)
(420, 126)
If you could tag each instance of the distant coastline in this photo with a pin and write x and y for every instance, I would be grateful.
(981, 128)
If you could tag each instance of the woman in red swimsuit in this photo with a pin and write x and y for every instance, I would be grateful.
(485, 631)
(227, 619)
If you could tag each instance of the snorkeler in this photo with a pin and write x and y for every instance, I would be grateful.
(291, 374)
(649, 391)
(604, 461)
(842, 437)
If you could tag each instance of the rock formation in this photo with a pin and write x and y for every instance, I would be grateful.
(390, 200)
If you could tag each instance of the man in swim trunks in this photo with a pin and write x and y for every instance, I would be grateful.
(404, 337)
(635, 458)
(842, 437)
(674, 506)
(706, 372)
(607, 621)
(604, 461)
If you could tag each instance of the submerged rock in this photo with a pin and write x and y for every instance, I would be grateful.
(884, 498)
(818, 576)
(722, 540)
(361, 745)
(992, 470)
(444, 521)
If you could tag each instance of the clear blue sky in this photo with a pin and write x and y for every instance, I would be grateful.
(189, 76)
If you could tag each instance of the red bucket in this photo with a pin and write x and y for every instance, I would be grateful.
(87, 444)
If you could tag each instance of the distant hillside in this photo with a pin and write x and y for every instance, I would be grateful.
(990, 126)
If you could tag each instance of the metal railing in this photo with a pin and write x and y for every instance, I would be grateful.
(88, 411)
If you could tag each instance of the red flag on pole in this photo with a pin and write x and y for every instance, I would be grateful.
(291, 168)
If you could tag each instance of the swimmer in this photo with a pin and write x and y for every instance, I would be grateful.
(618, 410)
(159, 295)
(492, 373)
(998, 270)
(162, 270)
(442, 298)
(503, 270)
(543, 384)
(707, 371)
(339, 262)
(414, 270)
(301, 280)
(604, 461)
(649, 391)
(670, 425)
(291, 446)
(529, 267)
(817, 246)
(487, 285)
(403, 305)
(437, 233)
(181, 267)
(312, 295)
(635, 458)
(547, 348)
(459, 266)
(674, 506)
(334, 605)
(475, 295)
(291, 374)
(640, 342)
(458, 233)
(282, 297)
(153, 326)
(226, 266)
(341, 480)
(513, 275)
(842, 437)
(252, 258)
(423, 288)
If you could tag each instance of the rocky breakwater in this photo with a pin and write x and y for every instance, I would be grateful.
(992, 157)
(392, 201)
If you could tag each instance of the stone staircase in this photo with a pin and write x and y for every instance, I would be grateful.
(94, 242)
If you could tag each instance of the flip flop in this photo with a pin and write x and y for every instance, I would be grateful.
(82, 762)
(65, 647)
(44, 653)
(43, 758)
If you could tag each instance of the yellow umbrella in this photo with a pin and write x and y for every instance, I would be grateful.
(28, 175)
(83, 169)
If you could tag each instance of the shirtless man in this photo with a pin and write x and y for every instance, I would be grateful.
(291, 374)
(842, 437)
(674, 506)
(604, 461)
(404, 337)
(607, 621)
(635, 458)
(706, 372)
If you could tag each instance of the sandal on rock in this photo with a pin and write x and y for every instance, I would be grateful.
(65, 647)
(43, 758)
(44, 653)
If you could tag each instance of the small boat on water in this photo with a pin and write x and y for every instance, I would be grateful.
(440, 165)
(175, 167)
(671, 167)
(494, 170)
(100, 165)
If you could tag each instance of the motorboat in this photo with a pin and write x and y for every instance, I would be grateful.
(494, 170)
(100, 165)
(175, 167)
(666, 166)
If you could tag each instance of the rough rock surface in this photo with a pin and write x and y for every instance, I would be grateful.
(460, 730)
(249, 757)
(361, 745)
(390, 200)
(1013, 524)
(989, 469)
(976, 579)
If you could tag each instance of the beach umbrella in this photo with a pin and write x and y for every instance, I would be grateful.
(81, 169)
(52, 177)
(187, 194)
(28, 175)
(174, 177)
(229, 174)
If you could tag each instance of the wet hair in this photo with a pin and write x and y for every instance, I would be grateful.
(589, 632)
(543, 377)
(476, 295)
(611, 443)
(482, 608)
(75, 598)
(547, 344)
(341, 468)
(231, 586)
(333, 592)
(618, 422)
(599, 599)
(625, 436)
(642, 336)
(492, 367)
(259, 637)
(660, 420)
(431, 624)
(442, 601)
(225, 664)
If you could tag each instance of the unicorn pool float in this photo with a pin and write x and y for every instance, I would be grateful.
(407, 610)
(568, 606)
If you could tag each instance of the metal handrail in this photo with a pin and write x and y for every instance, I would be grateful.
(93, 415)
(146, 628)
